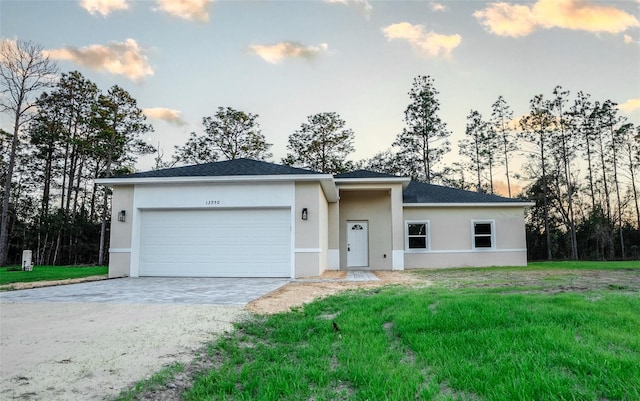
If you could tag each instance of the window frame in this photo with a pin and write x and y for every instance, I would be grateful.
(492, 235)
(427, 236)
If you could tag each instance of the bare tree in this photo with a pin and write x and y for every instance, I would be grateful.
(564, 140)
(501, 116)
(616, 128)
(633, 152)
(472, 146)
(581, 114)
(537, 129)
(24, 71)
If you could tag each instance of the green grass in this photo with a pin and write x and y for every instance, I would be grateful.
(585, 265)
(511, 336)
(435, 344)
(44, 273)
(540, 266)
(159, 379)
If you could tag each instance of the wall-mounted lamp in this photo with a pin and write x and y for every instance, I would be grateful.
(305, 214)
(122, 216)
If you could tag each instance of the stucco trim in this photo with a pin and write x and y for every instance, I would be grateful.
(397, 262)
(119, 250)
(307, 250)
(333, 259)
(479, 250)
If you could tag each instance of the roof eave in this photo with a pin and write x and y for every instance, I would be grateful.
(470, 204)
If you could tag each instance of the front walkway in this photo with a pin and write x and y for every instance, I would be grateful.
(361, 275)
(352, 276)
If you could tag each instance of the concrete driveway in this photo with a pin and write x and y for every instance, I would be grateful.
(88, 341)
(153, 290)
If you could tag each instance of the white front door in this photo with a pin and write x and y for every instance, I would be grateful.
(357, 244)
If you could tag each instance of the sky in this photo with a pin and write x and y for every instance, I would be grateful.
(286, 60)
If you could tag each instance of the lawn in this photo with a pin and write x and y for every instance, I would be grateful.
(555, 265)
(572, 335)
(44, 273)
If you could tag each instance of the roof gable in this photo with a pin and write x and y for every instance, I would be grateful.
(420, 192)
(236, 167)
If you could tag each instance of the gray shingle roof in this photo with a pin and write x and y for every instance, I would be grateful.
(237, 167)
(416, 192)
(420, 192)
(365, 174)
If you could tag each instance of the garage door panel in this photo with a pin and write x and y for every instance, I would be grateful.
(216, 243)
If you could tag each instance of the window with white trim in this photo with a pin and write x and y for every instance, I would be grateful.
(483, 234)
(417, 236)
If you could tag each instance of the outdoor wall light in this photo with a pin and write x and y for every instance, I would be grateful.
(122, 216)
(305, 214)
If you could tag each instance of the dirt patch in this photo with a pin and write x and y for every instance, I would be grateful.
(549, 281)
(305, 291)
(50, 283)
(183, 380)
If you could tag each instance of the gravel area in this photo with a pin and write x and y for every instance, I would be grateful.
(63, 351)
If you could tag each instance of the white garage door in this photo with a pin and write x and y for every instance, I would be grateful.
(216, 243)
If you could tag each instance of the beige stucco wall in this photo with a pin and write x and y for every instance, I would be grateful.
(451, 237)
(464, 259)
(307, 264)
(379, 203)
(311, 235)
(323, 217)
(120, 239)
(333, 256)
(373, 206)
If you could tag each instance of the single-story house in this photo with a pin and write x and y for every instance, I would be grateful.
(249, 218)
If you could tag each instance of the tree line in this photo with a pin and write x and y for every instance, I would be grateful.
(579, 157)
(66, 133)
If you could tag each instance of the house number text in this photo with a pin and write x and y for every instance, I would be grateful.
(212, 202)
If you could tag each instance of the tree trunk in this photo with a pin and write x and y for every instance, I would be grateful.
(506, 154)
(615, 181)
(47, 183)
(545, 200)
(56, 251)
(4, 221)
(567, 177)
(105, 204)
(425, 154)
(633, 186)
(491, 174)
(478, 175)
(590, 169)
(607, 198)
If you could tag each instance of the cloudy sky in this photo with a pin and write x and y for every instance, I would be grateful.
(285, 60)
